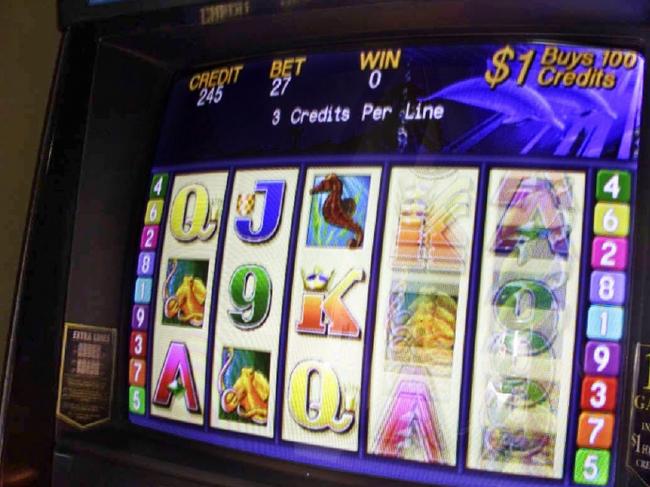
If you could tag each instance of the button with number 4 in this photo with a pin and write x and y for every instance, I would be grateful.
(613, 186)
(612, 219)
(159, 186)
(591, 467)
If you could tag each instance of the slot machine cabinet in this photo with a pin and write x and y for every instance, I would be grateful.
(130, 135)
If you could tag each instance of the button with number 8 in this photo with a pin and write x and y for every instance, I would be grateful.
(591, 467)
(612, 219)
(607, 287)
(613, 185)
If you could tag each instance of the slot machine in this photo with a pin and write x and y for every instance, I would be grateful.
(337, 243)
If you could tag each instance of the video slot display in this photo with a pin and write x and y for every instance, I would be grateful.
(387, 261)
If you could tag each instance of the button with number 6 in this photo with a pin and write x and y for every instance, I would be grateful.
(612, 219)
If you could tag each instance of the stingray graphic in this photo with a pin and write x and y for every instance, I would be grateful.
(576, 102)
(516, 103)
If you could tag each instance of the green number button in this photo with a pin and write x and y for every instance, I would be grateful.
(591, 467)
(159, 186)
(612, 219)
(154, 212)
(136, 400)
(613, 186)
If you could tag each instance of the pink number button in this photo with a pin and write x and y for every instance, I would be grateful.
(149, 238)
(609, 253)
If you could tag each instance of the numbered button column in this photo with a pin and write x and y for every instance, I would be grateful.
(602, 358)
(142, 294)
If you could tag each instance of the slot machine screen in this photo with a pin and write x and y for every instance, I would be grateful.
(410, 262)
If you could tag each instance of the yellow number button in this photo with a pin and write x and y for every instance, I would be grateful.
(154, 212)
(612, 219)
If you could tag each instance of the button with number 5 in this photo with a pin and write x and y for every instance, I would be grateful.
(598, 393)
(591, 467)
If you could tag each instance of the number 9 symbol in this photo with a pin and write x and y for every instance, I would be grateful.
(250, 295)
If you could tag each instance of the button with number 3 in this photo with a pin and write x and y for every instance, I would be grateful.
(598, 393)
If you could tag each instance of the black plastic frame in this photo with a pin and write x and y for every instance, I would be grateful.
(89, 194)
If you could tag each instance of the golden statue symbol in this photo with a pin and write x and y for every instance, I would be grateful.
(248, 396)
(188, 301)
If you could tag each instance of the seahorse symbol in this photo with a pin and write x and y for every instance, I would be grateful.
(337, 211)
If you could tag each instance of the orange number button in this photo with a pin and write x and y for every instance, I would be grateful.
(136, 372)
(595, 430)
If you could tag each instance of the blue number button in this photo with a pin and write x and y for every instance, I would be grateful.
(605, 323)
(142, 294)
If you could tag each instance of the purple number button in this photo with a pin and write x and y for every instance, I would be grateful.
(607, 287)
(602, 358)
(609, 253)
(145, 263)
(140, 316)
(149, 238)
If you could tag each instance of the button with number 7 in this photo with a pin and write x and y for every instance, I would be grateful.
(613, 185)
(595, 430)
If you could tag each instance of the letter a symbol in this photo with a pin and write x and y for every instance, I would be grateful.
(274, 197)
(176, 376)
